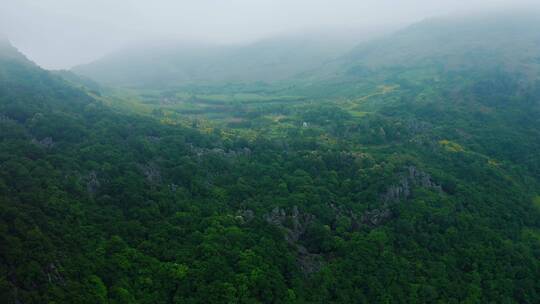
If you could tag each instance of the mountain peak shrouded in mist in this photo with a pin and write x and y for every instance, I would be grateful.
(481, 40)
(272, 59)
(66, 33)
(5, 43)
(496, 40)
(9, 52)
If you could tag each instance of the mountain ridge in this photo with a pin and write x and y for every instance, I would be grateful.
(271, 59)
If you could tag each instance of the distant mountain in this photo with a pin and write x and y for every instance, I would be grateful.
(267, 60)
(507, 41)
(481, 45)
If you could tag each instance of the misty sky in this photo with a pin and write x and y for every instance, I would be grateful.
(64, 33)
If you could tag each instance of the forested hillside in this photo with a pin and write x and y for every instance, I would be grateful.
(457, 42)
(169, 64)
(165, 64)
(386, 185)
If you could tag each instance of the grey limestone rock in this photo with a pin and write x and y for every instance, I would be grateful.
(92, 182)
(46, 142)
(295, 224)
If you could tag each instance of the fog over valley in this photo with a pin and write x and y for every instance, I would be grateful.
(64, 33)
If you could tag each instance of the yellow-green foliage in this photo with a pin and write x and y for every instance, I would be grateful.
(536, 202)
(451, 146)
(493, 162)
(531, 234)
(382, 89)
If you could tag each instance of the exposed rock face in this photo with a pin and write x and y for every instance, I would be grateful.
(341, 212)
(416, 127)
(153, 139)
(173, 187)
(37, 117)
(295, 225)
(371, 218)
(92, 182)
(246, 215)
(151, 173)
(401, 191)
(422, 179)
(245, 151)
(412, 177)
(376, 217)
(221, 152)
(46, 142)
(309, 262)
(419, 132)
(5, 119)
(53, 275)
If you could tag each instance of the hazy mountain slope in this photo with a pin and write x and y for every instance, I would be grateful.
(152, 65)
(483, 45)
(27, 89)
(78, 80)
(506, 41)
(8, 52)
(172, 64)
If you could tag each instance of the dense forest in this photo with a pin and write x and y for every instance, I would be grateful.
(411, 181)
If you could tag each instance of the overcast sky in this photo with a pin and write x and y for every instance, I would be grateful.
(64, 33)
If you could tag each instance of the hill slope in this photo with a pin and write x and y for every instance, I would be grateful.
(429, 196)
(507, 41)
(176, 64)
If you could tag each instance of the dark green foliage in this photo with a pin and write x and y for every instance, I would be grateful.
(430, 196)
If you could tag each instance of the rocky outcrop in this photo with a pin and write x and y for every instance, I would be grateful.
(416, 127)
(309, 262)
(295, 224)
(221, 152)
(92, 182)
(371, 218)
(151, 173)
(422, 179)
(411, 178)
(5, 119)
(51, 272)
(37, 117)
(45, 143)
(173, 187)
(376, 217)
(153, 139)
(53, 275)
(401, 191)
(245, 215)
